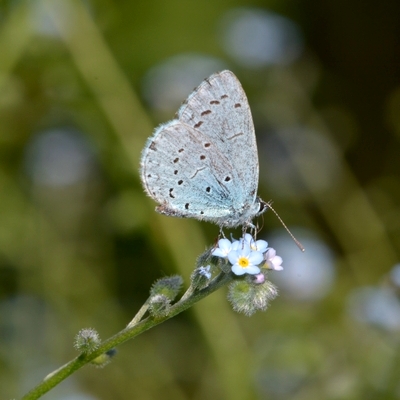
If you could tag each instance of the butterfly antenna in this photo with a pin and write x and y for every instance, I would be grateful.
(299, 245)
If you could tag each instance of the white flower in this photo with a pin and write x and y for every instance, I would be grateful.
(205, 271)
(201, 277)
(272, 261)
(223, 249)
(257, 245)
(244, 260)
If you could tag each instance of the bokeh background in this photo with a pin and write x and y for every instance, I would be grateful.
(84, 83)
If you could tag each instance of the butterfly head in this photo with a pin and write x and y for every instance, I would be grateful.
(262, 206)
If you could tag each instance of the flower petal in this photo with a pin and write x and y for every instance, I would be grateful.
(237, 270)
(248, 238)
(256, 257)
(271, 252)
(262, 246)
(224, 244)
(233, 256)
(205, 271)
(252, 270)
(277, 261)
(235, 245)
(218, 253)
(223, 249)
(244, 250)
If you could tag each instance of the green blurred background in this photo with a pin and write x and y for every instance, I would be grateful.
(84, 83)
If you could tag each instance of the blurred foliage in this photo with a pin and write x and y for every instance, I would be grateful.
(80, 244)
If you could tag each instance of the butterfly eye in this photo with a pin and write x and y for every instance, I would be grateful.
(262, 205)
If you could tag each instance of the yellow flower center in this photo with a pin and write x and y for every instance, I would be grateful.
(243, 262)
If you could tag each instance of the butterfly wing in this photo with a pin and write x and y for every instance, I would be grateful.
(218, 108)
(187, 174)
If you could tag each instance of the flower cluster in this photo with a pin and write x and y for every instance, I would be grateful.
(248, 256)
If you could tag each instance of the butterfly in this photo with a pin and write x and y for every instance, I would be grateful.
(204, 164)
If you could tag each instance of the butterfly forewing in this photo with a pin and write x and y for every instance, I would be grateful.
(219, 109)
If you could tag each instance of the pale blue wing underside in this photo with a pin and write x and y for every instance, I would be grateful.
(219, 109)
(204, 164)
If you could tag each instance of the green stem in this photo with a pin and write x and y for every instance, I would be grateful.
(54, 378)
(139, 314)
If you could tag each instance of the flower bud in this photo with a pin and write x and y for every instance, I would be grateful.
(104, 359)
(259, 278)
(159, 305)
(204, 258)
(87, 340)
(201, 277)
(247, 296)
(168, 287)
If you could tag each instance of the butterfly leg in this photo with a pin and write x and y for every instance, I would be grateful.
(221, 234)
(249, 225)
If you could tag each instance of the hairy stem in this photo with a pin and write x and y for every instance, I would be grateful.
(131, 331)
